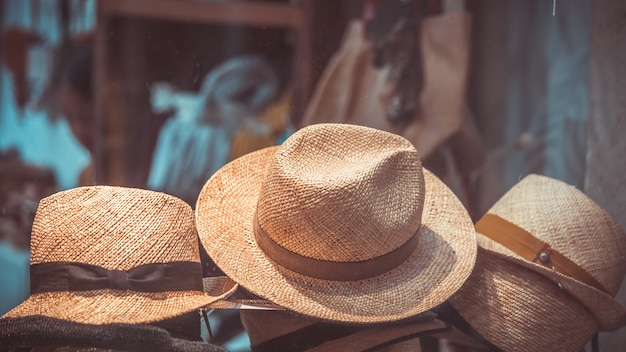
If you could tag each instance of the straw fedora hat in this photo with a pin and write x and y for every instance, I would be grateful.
(108, 254)
(38, 333)
(339, 223)
(554, 229)
(508, 307)
(286, 331)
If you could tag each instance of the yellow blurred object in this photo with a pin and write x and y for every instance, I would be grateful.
(265, 129)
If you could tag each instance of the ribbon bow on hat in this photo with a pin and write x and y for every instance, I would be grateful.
(107, 254)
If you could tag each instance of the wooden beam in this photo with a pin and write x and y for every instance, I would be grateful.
(605, 178)
(99, 71)
(207, 11)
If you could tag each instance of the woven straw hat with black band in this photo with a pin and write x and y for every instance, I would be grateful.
(106, 254)
(550, 258)
(339, 223)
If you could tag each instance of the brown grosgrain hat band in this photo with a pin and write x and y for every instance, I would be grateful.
(331, 270)
(154, 277)
(524, 244)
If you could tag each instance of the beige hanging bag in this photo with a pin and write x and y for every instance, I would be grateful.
(352, 90)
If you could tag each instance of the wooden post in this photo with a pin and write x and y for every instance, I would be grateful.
(605, 179)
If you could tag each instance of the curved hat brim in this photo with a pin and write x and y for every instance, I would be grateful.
(114, 306)
(442, 261)
(516, 308)
(609, 312)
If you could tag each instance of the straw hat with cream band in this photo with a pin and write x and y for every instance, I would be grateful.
(339, 223)
(554, 229)
(549, 265)
(105, 254)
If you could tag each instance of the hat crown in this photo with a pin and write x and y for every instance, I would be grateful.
(571, 223)
(116, 228)
(342, 193)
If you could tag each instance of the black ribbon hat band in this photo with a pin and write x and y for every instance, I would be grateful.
(154, 277)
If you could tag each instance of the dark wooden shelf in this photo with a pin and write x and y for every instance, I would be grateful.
(207, 11)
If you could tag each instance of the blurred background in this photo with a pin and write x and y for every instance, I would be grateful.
(159, 94)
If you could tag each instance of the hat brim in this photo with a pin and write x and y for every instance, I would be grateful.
(609, 312)
(516, 308)
(440, 264)
(113, 306)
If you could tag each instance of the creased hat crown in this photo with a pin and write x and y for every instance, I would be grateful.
(342, 195)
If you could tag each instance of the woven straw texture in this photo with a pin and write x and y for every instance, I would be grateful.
(574, 225)
(49, 334)
(115, 228)
(518, 309)
(262, 326)
(344, 193)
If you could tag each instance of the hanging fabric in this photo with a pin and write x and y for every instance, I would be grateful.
(353, 90)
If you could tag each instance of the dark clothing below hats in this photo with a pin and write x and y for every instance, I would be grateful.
(40, 331)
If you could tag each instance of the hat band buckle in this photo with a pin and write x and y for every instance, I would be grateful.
(529, 247)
